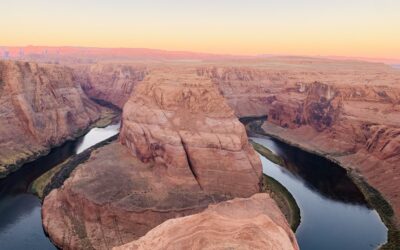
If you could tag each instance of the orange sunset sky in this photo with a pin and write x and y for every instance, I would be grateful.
(365, 28)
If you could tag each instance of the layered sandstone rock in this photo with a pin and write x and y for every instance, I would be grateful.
(114, 198)
(252, 223)
(112, 83)
(40, 107)
(347, 111)
(180, 121)
(181, 148)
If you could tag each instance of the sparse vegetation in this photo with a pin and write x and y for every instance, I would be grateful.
(278, 192)
(56, 179)
(385, 211)
(284, 199)
(373, 196)
(37, 187)
(268, 153)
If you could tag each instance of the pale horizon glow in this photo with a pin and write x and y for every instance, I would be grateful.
(354, 28)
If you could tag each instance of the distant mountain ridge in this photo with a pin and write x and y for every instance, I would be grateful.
(77, 54)
(43, 53)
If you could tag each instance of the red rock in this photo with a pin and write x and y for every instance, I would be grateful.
(112, 83)
(181, 122)
(348, 111)
(251, 223)
(114, 198)
(181, 149)
(40, 107)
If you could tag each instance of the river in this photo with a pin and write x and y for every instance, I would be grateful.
(334, 213)
(20, 211)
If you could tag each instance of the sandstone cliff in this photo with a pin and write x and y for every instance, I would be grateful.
(112, 83)
(252, 223)
(182, 123)
(181, 148)
(347, 111)
(40, 107)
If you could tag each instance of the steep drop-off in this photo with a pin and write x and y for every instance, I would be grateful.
(40, 107)
(346, 111)
(112, 83)
(181, 148)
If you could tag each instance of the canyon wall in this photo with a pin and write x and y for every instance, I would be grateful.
(347, 111)
(252, 223)
(179, 121)
(40, 107)
(180, 149)
(109, 82)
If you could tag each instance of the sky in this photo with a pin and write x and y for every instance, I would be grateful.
(365, 28)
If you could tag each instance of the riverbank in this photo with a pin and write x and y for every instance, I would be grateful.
(284, 199)
(21, 209)
(383, 208)
(55, 177)
(373, 196)
(107, 116)
(110, 114)
(286, 202)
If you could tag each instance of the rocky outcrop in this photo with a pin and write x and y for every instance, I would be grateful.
(112, 83)
(179, 121)
(115, 198)
(252, 223)
(40, 107)
(347, 111)
(181, 148)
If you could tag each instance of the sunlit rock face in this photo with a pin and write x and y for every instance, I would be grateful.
(114, 198)
(242, 223)
(348, 111)
(179, 121)
(40, 107)
(180, 149)
(109, 82)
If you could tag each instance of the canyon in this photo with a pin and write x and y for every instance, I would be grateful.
(110, 83)
(182, 162)
(346, 111)
(40, 108)
(170, 124)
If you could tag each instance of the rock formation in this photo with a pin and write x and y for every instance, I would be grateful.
(347, 111)
(179, 121)
(252, 223)
(112, 83)
(181, 148)
(40, 107)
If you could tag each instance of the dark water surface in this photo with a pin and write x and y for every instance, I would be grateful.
(334, 213)
(20, 211)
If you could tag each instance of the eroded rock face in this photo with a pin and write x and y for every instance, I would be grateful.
(347, 111)
(181, 149)
(252, 223)
(115, 198)
(181, 122)
(112, 83)
(40, 107)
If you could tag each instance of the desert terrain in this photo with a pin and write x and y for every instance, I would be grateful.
(182, 162)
